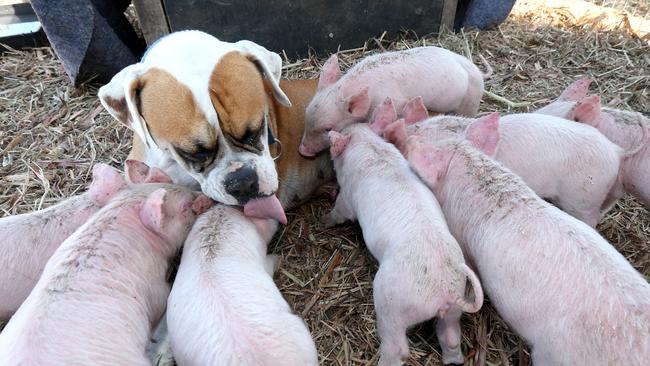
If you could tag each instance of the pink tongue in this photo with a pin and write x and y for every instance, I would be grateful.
(265, 208)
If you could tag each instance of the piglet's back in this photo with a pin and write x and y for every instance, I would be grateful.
(105, 285)
(426, 71)
(224, 308)
(557, 282)
(380, 180)
(28, 240)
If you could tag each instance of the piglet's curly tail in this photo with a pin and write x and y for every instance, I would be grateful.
(472, 307)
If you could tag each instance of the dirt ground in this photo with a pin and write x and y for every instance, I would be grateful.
(51, 134)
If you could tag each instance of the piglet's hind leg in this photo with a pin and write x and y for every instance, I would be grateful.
(448, 332)
(394, 347)
(392, 322)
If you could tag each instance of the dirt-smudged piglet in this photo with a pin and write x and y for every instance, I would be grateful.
(422, 273)
(106, 284)
(552, 278)
(28, 240)
(628, 130)
(446, 81)
(224, 308)
(570, 164)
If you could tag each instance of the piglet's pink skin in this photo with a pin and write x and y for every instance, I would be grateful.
(563, 105)
(626, 129)
(552, 278)
(224, 308)
(422, 273)
(446, 81)
(28, 240)
(571, 164)
(106, 284)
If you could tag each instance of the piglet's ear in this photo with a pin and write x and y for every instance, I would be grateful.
(576, 91)
(427, 161)
(484, 133)
(586, 110)
(140, 172)
(107, 181)
(331, 72)
(382, 116)
(156, 175)
(418, 154)
(136, 171)
(338, 142)
(266, 228)
(152, 211)
(201, 204)
(358, 105)
(414, 111)
(396, 134)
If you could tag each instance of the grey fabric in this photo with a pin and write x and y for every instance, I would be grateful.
(92, 38)
(482, 14)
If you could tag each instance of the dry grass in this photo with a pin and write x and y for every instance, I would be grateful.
(51, 135)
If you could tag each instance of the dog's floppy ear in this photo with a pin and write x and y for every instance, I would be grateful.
(119, 97)
(271, 59)
(269, 63)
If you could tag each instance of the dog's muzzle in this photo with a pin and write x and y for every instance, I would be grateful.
(243, 184)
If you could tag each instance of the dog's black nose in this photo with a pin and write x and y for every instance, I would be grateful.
(242, 184)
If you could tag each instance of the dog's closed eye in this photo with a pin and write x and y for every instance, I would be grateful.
(251, 137)
(198, 159)
(250, 140)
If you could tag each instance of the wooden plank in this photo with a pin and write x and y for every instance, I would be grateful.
(153, 20)
(448, 14)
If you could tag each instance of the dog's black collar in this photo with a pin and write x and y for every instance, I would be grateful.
(271, 138)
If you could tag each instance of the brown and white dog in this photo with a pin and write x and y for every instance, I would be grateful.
(214, 115)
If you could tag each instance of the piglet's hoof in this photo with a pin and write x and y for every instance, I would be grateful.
(328, 220)
(164, 359)
(453, 358)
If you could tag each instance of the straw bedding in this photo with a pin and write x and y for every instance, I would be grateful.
(51, 134)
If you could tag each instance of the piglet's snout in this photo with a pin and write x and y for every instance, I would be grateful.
(305, 151)
(201, 204)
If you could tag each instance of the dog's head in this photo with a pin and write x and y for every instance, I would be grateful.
(201, 109)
